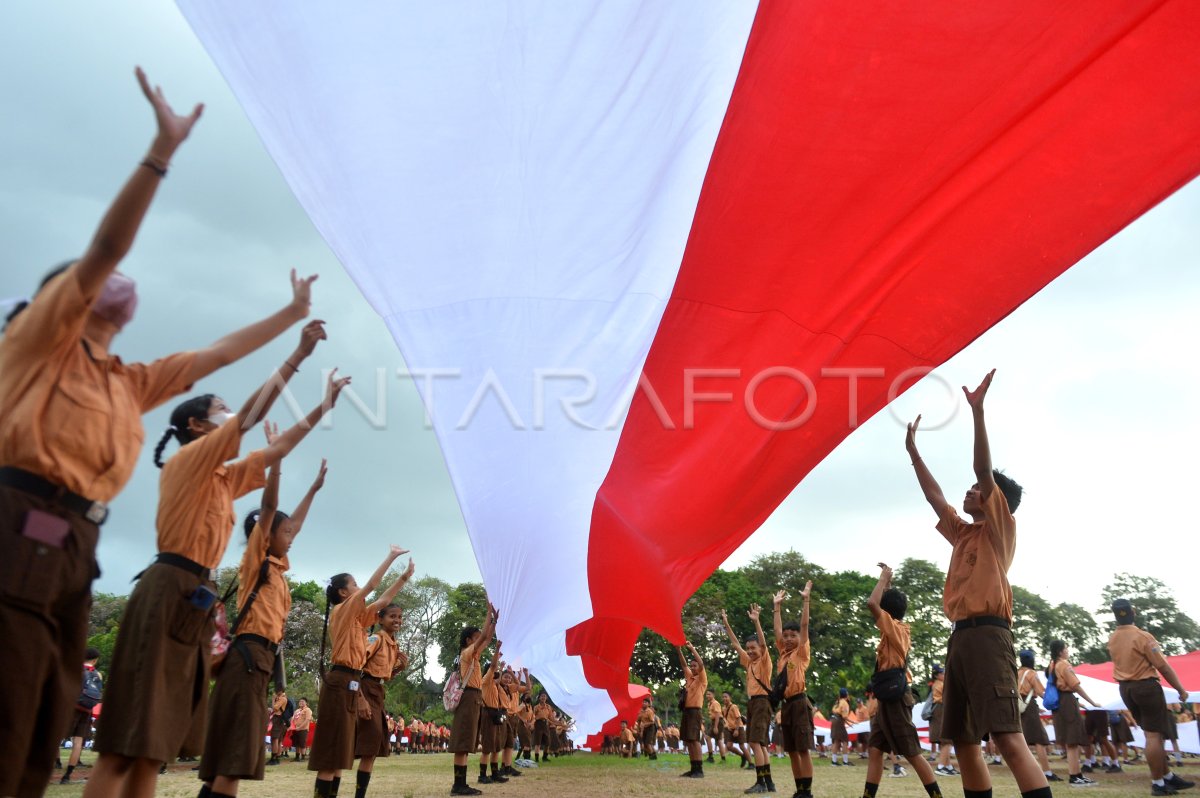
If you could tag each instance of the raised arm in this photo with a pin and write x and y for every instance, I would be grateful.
(489, 629)
(733, 640)
(777, 603)
(754, 613)
(259, 403)
(373, 582)
(301, 511)
(929, 486)
(885, 581)
(983, 452)
(118, 228)
(806, 595)
(687, 672)
(385, 598)
(238, 344)
(283, 445)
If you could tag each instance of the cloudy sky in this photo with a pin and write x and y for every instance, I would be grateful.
(1092, 408)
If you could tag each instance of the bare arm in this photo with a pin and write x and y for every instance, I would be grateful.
(119, 227)
(929, 486)
(776, 603)
(301, 511)
(885, 581)
(489, 630)
(1172, 678)
(385, 598)
(733, 640)
(754, 613)
(695, 655)
(259, 403)
(270, 495)
(807, 594)
(282, 446)
(687, 672)
(373, 582)
(238, 344)
(983, 452)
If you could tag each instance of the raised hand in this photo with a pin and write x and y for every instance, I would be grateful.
(975, 397)
(333, 389)
(312, 332)
(779, 598)
(724, 617)
(754, 612)
(302, 291)
(271, 431)
(319, 482)
(807, 590)
(408, 572)
(396, 551)
(910, 439)
(172, 128)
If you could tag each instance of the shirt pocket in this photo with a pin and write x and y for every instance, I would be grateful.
(31, 573)
(188, 624)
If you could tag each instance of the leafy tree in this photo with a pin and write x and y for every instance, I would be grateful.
(466, 605)
(922, 582)
(1157, 611)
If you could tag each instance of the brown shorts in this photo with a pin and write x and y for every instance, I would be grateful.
(541, 733)
(691, 727)
(732, 736)
(524, 733)
(837, 730)
(156, 693)
(1120, 731)
(795, 725)
(758, 725)
(371, 736)
(1145, 700)
(1095, 723)
(892, 729)
(233, 739)
(935, 725)
(45, 593)
(649, 736)
(1031, 725)
(464, 734)
(299, 739)
(333, 747)
(1068, 723)
(979, 695)
(80, 725)
(714, 728)
(491, 734)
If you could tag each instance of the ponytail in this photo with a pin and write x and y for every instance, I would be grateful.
(1056, 650)
(333, 597)
(196, 407)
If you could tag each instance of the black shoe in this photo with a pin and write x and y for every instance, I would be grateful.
(162, 771)
(1166, 789)
(755, 789)
(1113, 768)
(695, 774)
(709, 760)
(485, 779)
(1080, 781)
(1086, 769)
(1053, 777)
(498, 778)
(1178, 784)
(463, 789)
(511, 771)
(272, 761)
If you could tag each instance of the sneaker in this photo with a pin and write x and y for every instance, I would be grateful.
(1080, 781)
(836, 763)
(897, 772)
(1086, 769)
(484, 779)
(1166, 789)
(848, 764)
(945, 770)
(1054, 777)
(755, 789)
(1113, 768)
(498, 778)
(463, 789)
(511, 771)
(1177, 783)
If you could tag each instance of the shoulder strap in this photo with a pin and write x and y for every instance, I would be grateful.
(264, 574)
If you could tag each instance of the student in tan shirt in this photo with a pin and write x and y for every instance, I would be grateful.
(795, 716)
(647, 728)
(347, 616)
(1029, 689)
(491, 734)
(301, 720)
(1068, 724)
(152, 702)
(70, 436)
(756, 659)
(978, 600)
(510, 702)
(1137, 662)
(472, 642)
(731, 715)
(691, 726)
(713, 731)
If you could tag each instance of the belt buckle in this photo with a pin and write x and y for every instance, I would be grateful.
(211, 573)
(97, 513)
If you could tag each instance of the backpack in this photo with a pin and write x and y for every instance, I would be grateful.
(452, 692)
(1050, 699)
(288, 711)
(93, 689)
(927, 707)
(1023, 703)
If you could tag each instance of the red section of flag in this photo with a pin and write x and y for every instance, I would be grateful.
(890, 182)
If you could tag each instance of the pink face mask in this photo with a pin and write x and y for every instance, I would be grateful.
(117, 301)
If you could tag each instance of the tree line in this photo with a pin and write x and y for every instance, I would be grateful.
(842, 633)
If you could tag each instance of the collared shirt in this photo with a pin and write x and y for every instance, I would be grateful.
(348, 624)
(977, 579)
(796, 662)
(382, 654)
(268, 615)
(758, 674)
(894, 641)
(1135, 654)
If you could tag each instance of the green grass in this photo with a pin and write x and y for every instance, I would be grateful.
(592, 775)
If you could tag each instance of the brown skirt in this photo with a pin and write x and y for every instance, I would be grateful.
(837, 730)
(1031, 725)
(892, 729)
(491, 734)
(935, 724)
(233, 740)
(464, 735)
(371, 736)
(1068, 723)
(157, 686)
(1121, 733)
(541, 733)
(333, 747)
(522, 731)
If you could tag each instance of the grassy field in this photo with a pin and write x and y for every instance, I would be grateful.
(583, 774)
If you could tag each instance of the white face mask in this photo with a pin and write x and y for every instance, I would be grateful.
(220, 417)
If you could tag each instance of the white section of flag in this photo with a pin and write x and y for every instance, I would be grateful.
(511, 184)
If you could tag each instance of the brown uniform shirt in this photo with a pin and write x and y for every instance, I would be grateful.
(302, 719)
(695, 688)
(894, 641)
(714, 709)
(733, 716)
(841, 709)
(938, 686)
(382, 654)
(279, 705)
(470, 673)
(1064, 676)
(758, 674)
(510, 701)
(977, 579)
(627, 735)
(645, 718)
(196, 491)
(543, 711)
(348, 623)
(796, 662)
(1028, 682)
(268, 614)
(1135, 654)
(69, 411)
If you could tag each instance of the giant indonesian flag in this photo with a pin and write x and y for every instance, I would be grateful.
(649, 257)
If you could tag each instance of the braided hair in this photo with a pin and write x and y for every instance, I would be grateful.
(333, 597)
(1056, 649)
(252, 519)
(196, 407)
(50, 275)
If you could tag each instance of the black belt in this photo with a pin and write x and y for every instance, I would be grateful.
(26, 482)
(756, 697)
(981, 620)
(347, 669)
(262, 641)
(191, 566)
(793, 698)
(376, 679)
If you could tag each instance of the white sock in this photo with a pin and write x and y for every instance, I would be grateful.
(1159, 782)
(1107, 761)
(1049, 772)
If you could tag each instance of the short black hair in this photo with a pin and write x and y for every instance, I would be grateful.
(791, 626)
(465, 635)
(1009, 487)
(894, 603)
(91, 653)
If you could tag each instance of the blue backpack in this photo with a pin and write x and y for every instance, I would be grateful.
(1050, 699)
